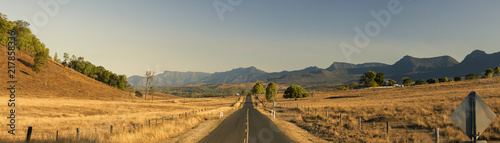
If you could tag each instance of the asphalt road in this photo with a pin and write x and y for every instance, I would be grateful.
(232, 129)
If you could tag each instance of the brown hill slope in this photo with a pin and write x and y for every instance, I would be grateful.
(54, 80)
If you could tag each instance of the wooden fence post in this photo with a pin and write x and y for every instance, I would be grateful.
(77, 134)
(340, 120)
(28, 134)
(149, 121)
(111, 129)
(57, 135)
(326, 114)
(437, 135)
(360, 123)
(387, 128)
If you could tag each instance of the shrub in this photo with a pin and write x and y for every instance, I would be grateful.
(295, 91)
(457, 78)
(353, 85)
(341, 88)
(420, 82)
(471, 76)
(431, 81)
(444, 79)
(138, 93)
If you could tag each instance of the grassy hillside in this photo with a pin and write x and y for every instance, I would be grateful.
(54, 80)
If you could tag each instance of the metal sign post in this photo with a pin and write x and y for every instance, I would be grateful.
(473, 116)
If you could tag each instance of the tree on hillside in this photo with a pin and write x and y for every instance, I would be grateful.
(420, 82)
(40, 60)
(258, 88)
(149, 81)
(6, 26)
(271, 91)
(295, 91)
(56, 58)
(457, 78)
(380, 79)
(432, 80)
(122, 82)
(471, 76)
(489, 73)
(66, 59)
(243, 93)
(497, 71)
(443, 79)
(407, 81)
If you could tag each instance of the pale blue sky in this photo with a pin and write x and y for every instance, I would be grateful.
(127, 36)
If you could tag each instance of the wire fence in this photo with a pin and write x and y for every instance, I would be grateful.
(326, 124)
(100, 132)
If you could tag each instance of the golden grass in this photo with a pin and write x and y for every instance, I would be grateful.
(412, 112)
(94, 117)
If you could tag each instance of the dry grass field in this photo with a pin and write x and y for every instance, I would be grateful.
(94, 118)
(412, 112)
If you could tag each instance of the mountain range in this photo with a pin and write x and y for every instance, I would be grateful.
(339, 72)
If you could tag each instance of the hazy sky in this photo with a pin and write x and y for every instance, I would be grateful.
(130, 36)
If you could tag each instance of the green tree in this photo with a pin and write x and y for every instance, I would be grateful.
(407, 81)
(420, 82)
(392, 82)
(380, 79)
(271, 91)
(432, 80)
(497, 71)
(5, 27)
(40, 60)
(368, 79)
(243, 92)
(457, 78)
(66, 59)
(489, 73)
(443, 79)
(295, 91)
(122, 82)
(258, 88)
(471, 76)
(56, 58)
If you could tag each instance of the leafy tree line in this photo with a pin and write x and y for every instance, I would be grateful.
(200, 91)
(25, 40)
(98, 73)
(487, 74)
